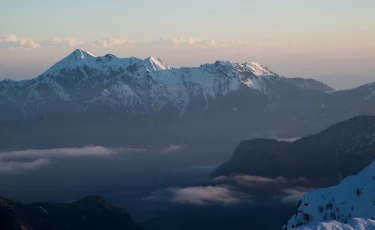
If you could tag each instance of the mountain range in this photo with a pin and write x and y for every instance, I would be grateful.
(148, 86)
(84, 99)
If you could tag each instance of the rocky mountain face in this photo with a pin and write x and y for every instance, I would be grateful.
(134, 101)
(349, 205)
(89, 213)
(339, 151)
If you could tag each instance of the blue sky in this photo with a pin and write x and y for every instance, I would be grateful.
(308, 38)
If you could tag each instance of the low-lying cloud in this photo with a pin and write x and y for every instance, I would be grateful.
(294, 195)
(291, 139)
(17, 166)
(231, 190)
(295, 191)
(67, 152)
(249, 180)
(172, 148)
(200, 195)
(16, 161)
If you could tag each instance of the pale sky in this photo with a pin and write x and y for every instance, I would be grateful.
(332, 40)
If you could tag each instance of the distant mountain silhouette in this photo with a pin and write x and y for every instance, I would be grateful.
(92, 212)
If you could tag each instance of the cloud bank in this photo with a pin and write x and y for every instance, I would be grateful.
(13, 41)
(67, 152)
(16, 166)
(200, 195)
(230, 190)
(11, 161)
(249, 180)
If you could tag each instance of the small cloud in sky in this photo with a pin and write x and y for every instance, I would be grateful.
(17, 166)
(181, 41)
(200, 195)
(161, 42)
(107, 42)
(62, 42)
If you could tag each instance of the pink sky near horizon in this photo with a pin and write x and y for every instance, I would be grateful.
(328, 40)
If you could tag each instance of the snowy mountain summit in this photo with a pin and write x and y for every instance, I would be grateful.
(133, 97)
(82, 80)
(349, 205)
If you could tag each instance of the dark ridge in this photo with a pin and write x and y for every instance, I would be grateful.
(92, 212)
(341, 150)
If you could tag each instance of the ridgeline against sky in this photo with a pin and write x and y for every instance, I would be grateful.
(330, 41)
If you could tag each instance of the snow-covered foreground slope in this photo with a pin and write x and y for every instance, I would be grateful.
(353, 224)
(335, 207)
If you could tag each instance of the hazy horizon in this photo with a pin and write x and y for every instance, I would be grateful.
(289, 37)
(336, 81)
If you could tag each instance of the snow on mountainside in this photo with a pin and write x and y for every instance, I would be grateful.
(83, 80)
(335, 207)
(153, 64)
(353, 224)
(180, 86)
(80, 58)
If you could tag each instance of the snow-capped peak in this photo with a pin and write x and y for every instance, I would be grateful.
(258, 69)
(83, 54)
(79, 58)
(154, 64)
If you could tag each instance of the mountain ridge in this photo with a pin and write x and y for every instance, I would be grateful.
(82, 77)
(138, 100)
(336, 207)
(328, 154)
(91, 212)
